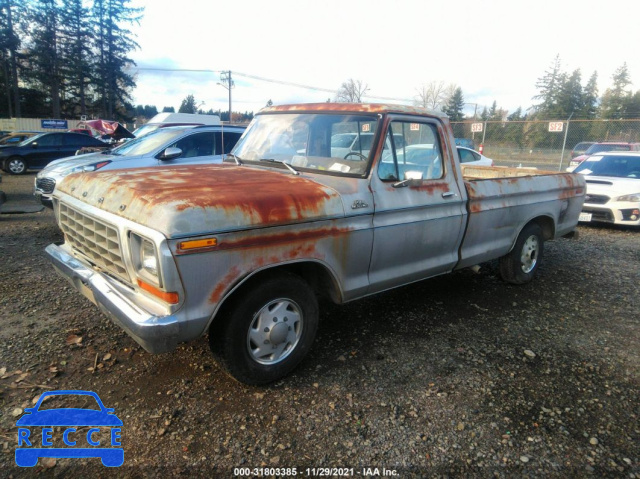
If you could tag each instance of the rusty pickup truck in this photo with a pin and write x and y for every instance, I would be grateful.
(334, 200)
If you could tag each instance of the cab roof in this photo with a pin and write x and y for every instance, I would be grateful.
(353, 108)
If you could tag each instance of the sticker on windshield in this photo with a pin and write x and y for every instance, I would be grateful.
(594, 158)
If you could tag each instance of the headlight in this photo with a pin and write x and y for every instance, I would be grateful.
(91, 167)
(145, 259)
(633, 198)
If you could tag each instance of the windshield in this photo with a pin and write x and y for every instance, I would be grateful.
(145, 130)
(148, 143)
(321, 142)
(32, 139)
(611, 165)
(597, 148)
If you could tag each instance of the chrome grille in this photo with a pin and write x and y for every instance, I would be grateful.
(97, 241)
(46, 185)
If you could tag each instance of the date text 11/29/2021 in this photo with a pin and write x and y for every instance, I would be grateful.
(314, 472)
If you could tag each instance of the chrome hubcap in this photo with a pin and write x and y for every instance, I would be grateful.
(529, 254)
(275, 331)
(16, 166)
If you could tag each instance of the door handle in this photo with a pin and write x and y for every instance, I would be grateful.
(449, 194)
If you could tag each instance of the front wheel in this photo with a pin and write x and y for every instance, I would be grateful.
(268, 330)
(521, 263)
(15, 165)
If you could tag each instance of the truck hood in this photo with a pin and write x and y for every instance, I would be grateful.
(182, 201)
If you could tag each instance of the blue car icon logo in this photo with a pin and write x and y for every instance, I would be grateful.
(76, 428)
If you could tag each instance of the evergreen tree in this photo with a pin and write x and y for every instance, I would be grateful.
(493, 112)
(570, 98)
(10, 14)
(45, 58)
(484, 116)
(615, 99)
(455, 105)
(590, 97)
(633, 106)
(168, 109)
(188, 105)
(150, 111)
(114, 42)
(549, 86)
(76, 40)
(516, 115)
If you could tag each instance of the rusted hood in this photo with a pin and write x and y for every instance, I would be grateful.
(186, 200)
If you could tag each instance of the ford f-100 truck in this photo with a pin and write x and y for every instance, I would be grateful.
(242, 250)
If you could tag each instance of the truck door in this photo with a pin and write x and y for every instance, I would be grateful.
(420, 211)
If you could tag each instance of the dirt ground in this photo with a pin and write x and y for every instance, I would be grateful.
(457, 376)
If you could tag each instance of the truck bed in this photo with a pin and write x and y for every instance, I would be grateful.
(491, 172)
(501, 200)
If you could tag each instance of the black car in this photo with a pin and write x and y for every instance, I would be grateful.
(36, 152)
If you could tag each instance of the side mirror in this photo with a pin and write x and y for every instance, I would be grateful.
(170, 153)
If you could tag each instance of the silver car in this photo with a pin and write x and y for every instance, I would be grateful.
(167, 146)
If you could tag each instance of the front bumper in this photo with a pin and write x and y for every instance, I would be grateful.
(155, 332)
(613, 213)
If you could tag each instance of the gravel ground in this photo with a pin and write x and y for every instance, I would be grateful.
(457, 376)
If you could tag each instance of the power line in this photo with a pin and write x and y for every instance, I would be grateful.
(269, 80)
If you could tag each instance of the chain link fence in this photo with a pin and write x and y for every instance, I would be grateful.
(541, 144)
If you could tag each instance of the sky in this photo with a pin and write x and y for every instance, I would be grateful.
(493, 50)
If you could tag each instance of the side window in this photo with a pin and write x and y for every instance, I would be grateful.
(411, 151)
(467, 156)
(50, 140)
(198, 144)
(230, 140)
(74, 140)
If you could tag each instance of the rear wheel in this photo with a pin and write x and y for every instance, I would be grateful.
(521, 263)
(15, 165)
(268, 330)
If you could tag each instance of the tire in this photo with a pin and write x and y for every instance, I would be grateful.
(15, 166)
(519, 266)
(267, 330)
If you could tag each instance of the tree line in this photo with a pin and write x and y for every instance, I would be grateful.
(64, 59)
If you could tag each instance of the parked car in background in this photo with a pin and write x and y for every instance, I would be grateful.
(164, 120)
(581, 148)
(471, 157)
(613, 188)
(343, 144)
(465, 142)
(166, 146)
(601, 147)
(16, 137)
(39, 150)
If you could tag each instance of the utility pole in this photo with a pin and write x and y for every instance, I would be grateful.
(228, 83)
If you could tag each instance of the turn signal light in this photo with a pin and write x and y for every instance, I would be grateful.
(197, 244)
(171, 298)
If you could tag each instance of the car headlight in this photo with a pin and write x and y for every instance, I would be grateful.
(91, 167)
(633, 198)
(145, 259)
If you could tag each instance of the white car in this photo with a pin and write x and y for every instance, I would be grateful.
(613, 188)
(469, 157)
(178, 145)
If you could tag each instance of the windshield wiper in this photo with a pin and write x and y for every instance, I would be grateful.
(291, 168)
(235, 158)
